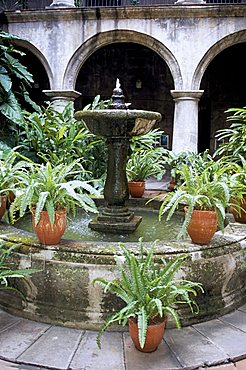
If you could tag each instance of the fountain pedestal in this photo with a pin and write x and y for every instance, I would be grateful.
(117, 124)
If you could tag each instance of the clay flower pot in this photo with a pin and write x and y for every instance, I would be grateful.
(47, 233)
(154, 334)
(136, 188)
(239, 216)
(202, 226)
(3, 205)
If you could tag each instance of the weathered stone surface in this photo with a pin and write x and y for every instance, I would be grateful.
(16, 339)
(236, 318)
(193, 349)
(63, 292)
(161, 359)
(56, 340)
(221, 335)
(7, 320)
(88, 356)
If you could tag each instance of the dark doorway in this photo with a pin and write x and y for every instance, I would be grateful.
(36, 68)
(144, 76)
(224, 87)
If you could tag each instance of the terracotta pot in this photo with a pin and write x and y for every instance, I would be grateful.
(48, 233)
(10, 198)
(3, 205)
(154, 334)
(240, 216)
(136, 188)
(172, 184)
(202, 226)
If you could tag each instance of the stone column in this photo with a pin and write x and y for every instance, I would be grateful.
(60, 98)
(185, 126)
(62, 4)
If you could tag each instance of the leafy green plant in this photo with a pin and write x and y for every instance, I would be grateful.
(208, 190)
(148, 288)
(53, 136)
(6, 273)
(145, 163)
(174, 161)
(98, 103)
(233, 139)
(45, 187)
(146, 141)
(9, 169)
(14, 79)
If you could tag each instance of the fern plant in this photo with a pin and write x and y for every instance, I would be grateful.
(148, 289)
(233, 139)
(7, 273)
(45, 187)
(208, 190)
(145, 163)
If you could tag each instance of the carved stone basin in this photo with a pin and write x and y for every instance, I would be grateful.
(121, 123)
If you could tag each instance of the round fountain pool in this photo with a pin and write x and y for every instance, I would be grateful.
(63, 293)
(149, 229)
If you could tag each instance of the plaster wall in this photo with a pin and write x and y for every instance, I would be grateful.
(187, 38)
(183, 35)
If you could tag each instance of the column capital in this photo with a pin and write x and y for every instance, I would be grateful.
(62, 4)
(186, 94)
(66, 95)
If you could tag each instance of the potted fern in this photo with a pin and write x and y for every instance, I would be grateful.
(205, 196)
(45, 191)
(143, 164)
(238, 191)
(9, 167)
(150, 293)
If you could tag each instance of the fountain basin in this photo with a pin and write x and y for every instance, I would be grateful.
(63, 293)
(111, 123)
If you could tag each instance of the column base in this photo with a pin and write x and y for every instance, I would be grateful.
(115, 220)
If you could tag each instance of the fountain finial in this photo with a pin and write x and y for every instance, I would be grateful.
(118, 98)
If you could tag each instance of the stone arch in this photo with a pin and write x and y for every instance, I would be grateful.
(106, 38)
(30, 47)
(235, 38)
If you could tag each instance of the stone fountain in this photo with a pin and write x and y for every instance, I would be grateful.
(63, 293)
(117, 124)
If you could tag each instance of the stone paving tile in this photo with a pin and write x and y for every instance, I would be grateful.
(161, 359)
(4, 365)
(193, 349)
(88, 356)
(236, 318)
(226, 337)
(16, 339)
(7, 320)
(243, 308)
(55, 348)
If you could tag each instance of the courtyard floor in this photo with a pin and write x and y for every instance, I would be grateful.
(219, 344)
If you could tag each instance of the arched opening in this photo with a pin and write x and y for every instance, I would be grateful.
(36, 68)
(224, 87)
(144, 76)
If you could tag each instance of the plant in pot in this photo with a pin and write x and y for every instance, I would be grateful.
(45, 191)
(233, 139)
(141, 165)
(174, 162)
(205, 197)
(150, 291)
(9, 168)
(238, 192)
